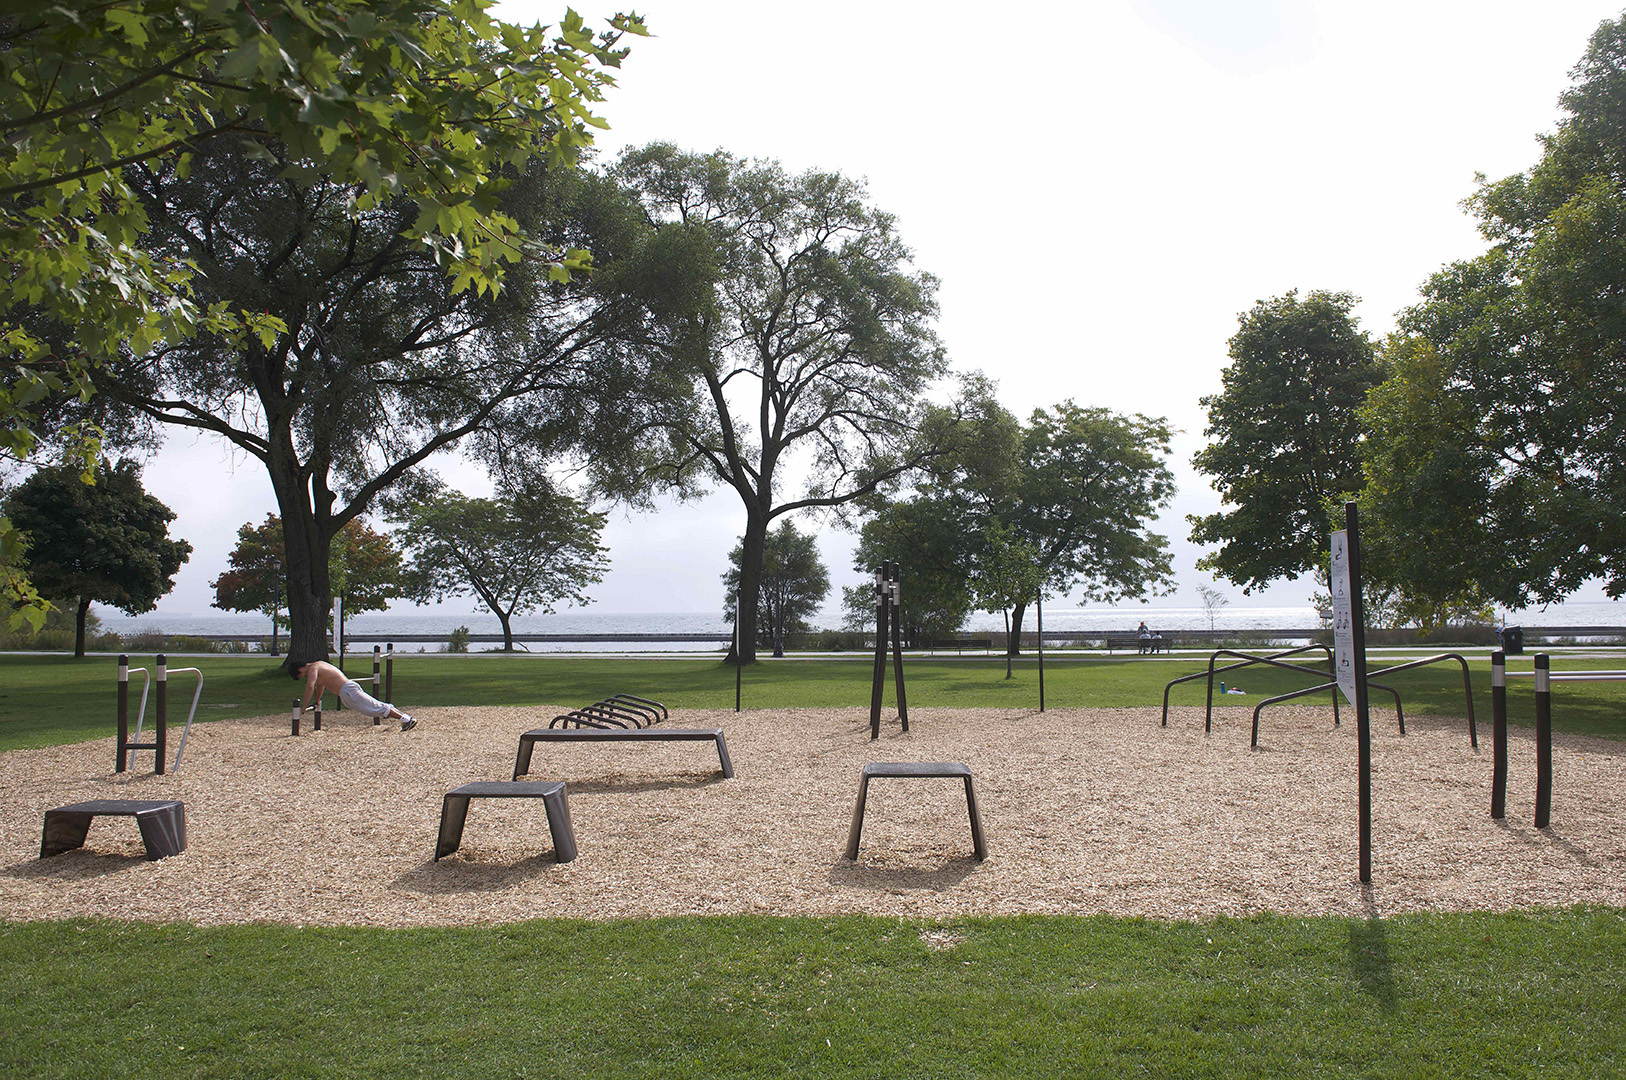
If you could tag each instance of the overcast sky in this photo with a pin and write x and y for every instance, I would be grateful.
(1101, 188)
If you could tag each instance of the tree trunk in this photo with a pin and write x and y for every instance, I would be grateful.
(79, 627)
(507, 632)
(1013, 631)
(305, 553)
(753, 545)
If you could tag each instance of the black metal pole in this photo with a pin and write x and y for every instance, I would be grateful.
(389, 672)
(276, 604)
(121, 760)
(1363, 719)
(163, 713)
(879, 674)
(376, 686)
(1038, 606)
(739, 653)
(1544, 742)
(895, 587)
(1498, 807)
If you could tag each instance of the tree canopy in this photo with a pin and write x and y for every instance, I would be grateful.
(384, 362)
(1503, 423)
(520, 552)
(106, 542)
(810, 348)
(1284, 438)
(1070, 492)
(429, 101)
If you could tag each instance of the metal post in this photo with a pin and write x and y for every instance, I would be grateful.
(895, 587)
(1544, 742)
(879, 674)
(121, 760)
(1363, 719)
(1038, 605)
(1498, 807)
(376, 686)
(293, 719)
(739, 652)
(389, 673)
(276, 603)
(163, 713)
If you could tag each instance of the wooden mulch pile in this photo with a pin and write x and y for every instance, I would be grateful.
(1086, 810)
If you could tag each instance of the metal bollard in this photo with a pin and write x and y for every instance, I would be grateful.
(163, 712)
(376, 684)
(389, 673)
(1544, 742)
(294, 719)
(1498, 806)
(122, 758)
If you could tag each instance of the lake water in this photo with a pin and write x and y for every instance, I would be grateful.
(364, 631)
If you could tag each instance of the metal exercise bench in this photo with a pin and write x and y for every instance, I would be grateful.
(162, 822)
(621, 718)
(454, 812)
(916, 770)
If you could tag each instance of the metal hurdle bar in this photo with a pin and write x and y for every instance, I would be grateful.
(127, 742)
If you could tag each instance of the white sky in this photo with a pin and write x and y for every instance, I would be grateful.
(1101, 188)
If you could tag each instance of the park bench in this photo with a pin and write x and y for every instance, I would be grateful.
(162, 822)
(1138, 644)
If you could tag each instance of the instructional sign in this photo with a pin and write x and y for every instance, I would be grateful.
(1343, 616)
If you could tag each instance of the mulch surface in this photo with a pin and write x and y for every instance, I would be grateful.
(1085, 810)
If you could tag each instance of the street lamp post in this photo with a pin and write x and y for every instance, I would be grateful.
(276, 603)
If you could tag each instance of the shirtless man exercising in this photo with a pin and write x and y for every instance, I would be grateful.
(319, 675)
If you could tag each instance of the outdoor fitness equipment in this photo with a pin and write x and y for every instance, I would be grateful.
(388, 682)
(1274, 659)
(1544, 677)
(617, 711)
(126, 742)
(888, 634)
(1467, 691)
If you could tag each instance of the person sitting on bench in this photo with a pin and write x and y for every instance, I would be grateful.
(320, 675)
(1144, 636)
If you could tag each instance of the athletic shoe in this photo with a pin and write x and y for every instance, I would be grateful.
(407, 722)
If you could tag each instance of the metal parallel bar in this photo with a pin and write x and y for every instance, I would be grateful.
(1316, 690)
(1467, 686)
(1248, 658)
(1232, 667)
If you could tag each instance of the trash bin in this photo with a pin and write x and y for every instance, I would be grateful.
(1512, 640)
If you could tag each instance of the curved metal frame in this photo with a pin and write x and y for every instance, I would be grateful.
(1467, 692)
(1248, 659)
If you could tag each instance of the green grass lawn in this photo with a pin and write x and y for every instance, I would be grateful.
(46, 699)
(1539, 994)
(1431, 995)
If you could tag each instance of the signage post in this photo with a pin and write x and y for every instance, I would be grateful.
(1349, 660)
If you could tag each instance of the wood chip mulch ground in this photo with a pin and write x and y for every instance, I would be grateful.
(1085, 810)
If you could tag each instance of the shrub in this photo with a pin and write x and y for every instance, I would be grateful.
(459, 640)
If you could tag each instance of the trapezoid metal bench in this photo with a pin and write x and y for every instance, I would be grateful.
(162, 822)
(454, 812)
(528, 741)
(916, 770)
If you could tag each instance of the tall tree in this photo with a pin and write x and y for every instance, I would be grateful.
(105, 542)
(252, 580)
(385, 362)
(1503, 425)
(1072, 490)
(521, 552)
(792, 588)
(424, 100)
(1283, 436)
(810, 351)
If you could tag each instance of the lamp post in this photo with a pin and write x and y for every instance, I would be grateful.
(276, 603)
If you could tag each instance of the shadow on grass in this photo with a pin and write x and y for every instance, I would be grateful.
(1369, 959)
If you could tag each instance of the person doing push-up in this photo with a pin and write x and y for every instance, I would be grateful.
(319, 675)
